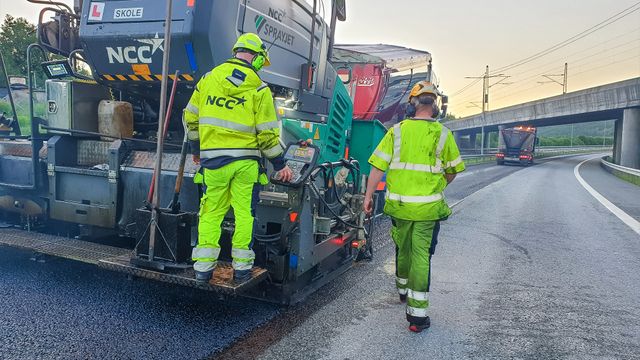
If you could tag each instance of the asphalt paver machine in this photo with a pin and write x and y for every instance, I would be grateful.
(87, 163)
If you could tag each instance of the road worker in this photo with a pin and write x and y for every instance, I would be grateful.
(231, 122)
(421, 158)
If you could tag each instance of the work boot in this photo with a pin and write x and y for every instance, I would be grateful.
(203, 276)
(403, 298)
(241, 276)
(419, 327)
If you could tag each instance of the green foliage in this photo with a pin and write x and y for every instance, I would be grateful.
(577, 141)
(16, 34)
(596, 128)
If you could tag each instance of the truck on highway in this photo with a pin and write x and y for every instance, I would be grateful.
(84, 170)
(517, 145)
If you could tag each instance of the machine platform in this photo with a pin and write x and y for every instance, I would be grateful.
(119, 259)
(221, 282)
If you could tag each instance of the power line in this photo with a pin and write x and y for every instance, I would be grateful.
(463, 89)
(609, 64)
(581, 61)
(610, 20)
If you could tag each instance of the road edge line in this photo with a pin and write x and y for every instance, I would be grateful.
(619, 213)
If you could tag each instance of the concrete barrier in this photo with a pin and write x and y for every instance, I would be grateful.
(623, 172)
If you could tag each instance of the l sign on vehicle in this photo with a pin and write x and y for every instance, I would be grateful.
(127, 13)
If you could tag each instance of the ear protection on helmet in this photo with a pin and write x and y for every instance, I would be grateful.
(260, 59)
(410, 110)
(436, 110)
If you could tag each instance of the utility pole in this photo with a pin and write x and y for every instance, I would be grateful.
(552, 80)
(485, 96)
(571, 143)
(564, 78)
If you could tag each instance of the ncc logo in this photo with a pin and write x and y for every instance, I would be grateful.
(96, 10)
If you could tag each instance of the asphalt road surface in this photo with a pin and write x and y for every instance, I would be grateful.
(529, 266)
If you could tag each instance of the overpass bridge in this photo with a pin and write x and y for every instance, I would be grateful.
(618, 101)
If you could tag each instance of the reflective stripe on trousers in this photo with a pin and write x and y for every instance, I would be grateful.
(205, 253)
(242, 258)
(417, 312)
(418, 295)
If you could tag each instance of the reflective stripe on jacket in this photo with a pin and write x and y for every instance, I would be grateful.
(415, 154)
(231, 114)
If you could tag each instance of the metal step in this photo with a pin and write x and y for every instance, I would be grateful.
(119, 259)
(221, 282)
(72, 249)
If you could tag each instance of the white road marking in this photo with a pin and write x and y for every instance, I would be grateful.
(626, 218)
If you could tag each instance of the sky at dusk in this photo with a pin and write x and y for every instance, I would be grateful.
(464, 36)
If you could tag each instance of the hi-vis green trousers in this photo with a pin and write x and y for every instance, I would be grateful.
(415, 243)
(231, 185)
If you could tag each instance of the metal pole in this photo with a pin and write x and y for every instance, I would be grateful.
(571, 135)
(485, 90)
(161, 114)
(564, 81)
(482, 140)
(485, 105)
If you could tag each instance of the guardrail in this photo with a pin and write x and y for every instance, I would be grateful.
(539, 149)
(625, 173)
(473, 159)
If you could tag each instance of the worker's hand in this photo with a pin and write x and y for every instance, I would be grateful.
(284, 175)
(368, 204)
(196, 159)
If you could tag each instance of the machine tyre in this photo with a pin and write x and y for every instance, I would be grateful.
(500, 162)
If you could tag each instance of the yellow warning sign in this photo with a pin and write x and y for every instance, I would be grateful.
(316, 136)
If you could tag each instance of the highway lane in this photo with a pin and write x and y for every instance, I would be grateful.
(530, 267)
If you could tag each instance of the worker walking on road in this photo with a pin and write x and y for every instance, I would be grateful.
(421, 158)
(231, 122)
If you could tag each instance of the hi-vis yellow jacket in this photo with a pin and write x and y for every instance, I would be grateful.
(416, 154)
(231, 116)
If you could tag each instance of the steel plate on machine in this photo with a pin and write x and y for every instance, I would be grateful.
(222, 280)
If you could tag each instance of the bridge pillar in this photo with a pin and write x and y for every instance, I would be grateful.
(500, 128)
(617, 140)
(630, 146)
(487, 140)
(472, 140)
(458, 137)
